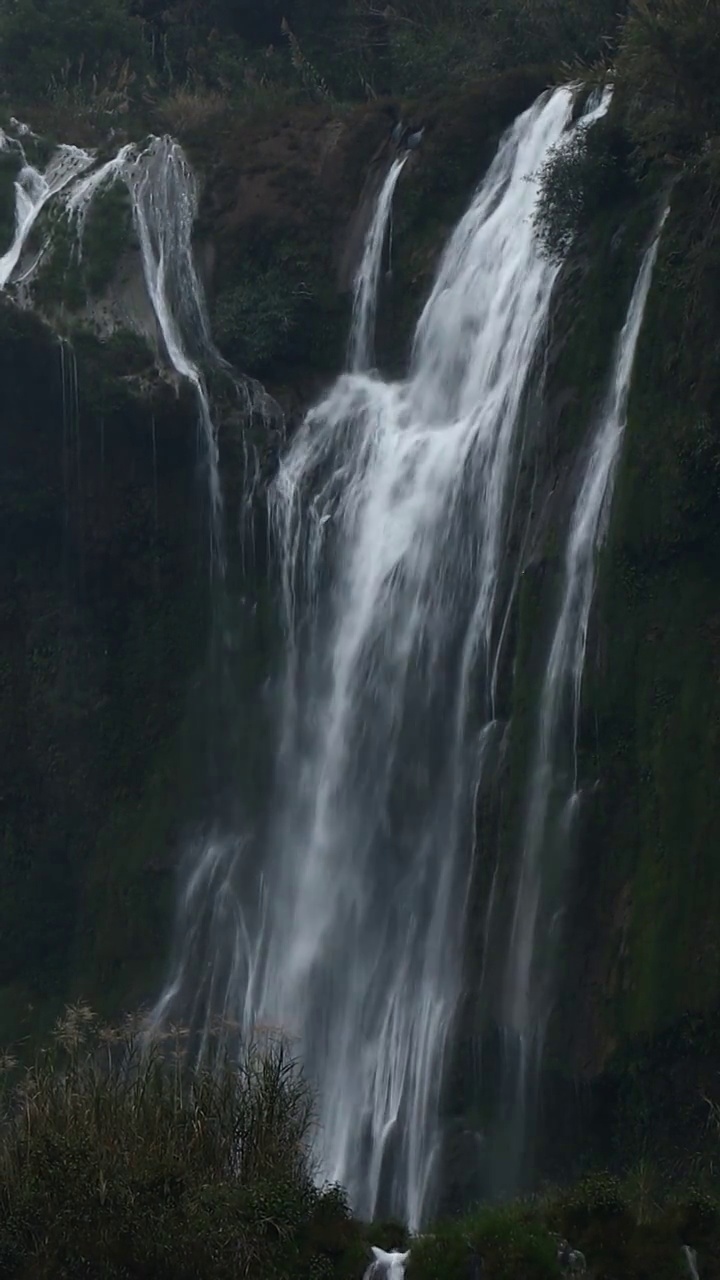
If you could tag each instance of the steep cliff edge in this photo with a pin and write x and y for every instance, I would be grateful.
(105, 594)
(634, 1033)
(104, 624)
(106, 603)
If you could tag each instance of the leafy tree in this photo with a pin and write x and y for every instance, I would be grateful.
(49, 43)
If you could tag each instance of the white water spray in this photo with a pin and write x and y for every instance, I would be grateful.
(387, 1266)
(367, 279)
(33, 190)
(391, 514)
(163, 194)
(539, 899)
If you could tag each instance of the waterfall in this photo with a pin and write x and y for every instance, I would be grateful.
(539, 901)
(360, 346)
(33, 190)
(163, 194)
(391, 514)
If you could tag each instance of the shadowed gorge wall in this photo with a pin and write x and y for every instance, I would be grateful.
(104, 601)
(640, 969)
(104, 616)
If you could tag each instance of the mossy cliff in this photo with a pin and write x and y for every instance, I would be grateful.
(105, 598)
(103, 624)
(633, 1050)
(105, 602)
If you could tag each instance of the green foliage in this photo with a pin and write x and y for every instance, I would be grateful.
(45, 44)
(119, 1158)
(668, 71)
(255, 319)
(583, 173)
(276, 313)
(508, 1242)
(343, 49)
(58, 280)
(10, 162)
(106, 235)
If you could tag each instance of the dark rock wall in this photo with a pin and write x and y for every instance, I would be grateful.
(104, 612)
(105, 608)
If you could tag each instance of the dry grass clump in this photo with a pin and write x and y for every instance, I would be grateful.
(192, 110)
(119, 1158)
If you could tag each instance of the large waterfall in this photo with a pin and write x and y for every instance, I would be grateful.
(336, 914)
(391, 515)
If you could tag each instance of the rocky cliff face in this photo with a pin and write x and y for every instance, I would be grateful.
(105, 602)
(103, 625)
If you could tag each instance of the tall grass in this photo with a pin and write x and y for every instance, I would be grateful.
(119, 1159)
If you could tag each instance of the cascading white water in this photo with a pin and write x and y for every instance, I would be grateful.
(367, 279)
(539, 902)
(163, 193)
(33, 190)
(391, 513)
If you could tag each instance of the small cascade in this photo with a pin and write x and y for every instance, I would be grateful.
(539, 900)
(691, 1261)
(163, 193)
(33, 190)
(386, 1266)
(72, 444)
(341, 923)
(360, 346)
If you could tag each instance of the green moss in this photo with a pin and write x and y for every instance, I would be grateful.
(106, 621)
(58, 282)
(279, 310)
(10, 164)
(126, 353)
(107, 233)
(506, 1242)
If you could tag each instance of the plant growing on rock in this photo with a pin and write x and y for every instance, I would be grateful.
(120, 1157)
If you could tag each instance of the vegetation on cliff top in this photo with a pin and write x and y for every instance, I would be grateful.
(190, 61)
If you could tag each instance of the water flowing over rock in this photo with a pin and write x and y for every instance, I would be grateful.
(33, 190)
(163, 194)
(551, 794)
(368, 274)
(386, 1266)
(341, 923)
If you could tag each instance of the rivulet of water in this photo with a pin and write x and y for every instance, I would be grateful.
(367, 279)
(539, 897)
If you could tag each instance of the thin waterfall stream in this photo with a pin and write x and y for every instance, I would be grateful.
(367, 280)
(539, 898)
(163, 194)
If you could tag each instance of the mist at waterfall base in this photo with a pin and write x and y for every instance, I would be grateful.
(338, 917)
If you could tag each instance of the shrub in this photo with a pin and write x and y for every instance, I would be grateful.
(45, 44)
(667, 70)
(117, 1158)
(507, 1242)
(187, 111)
(583, 173)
